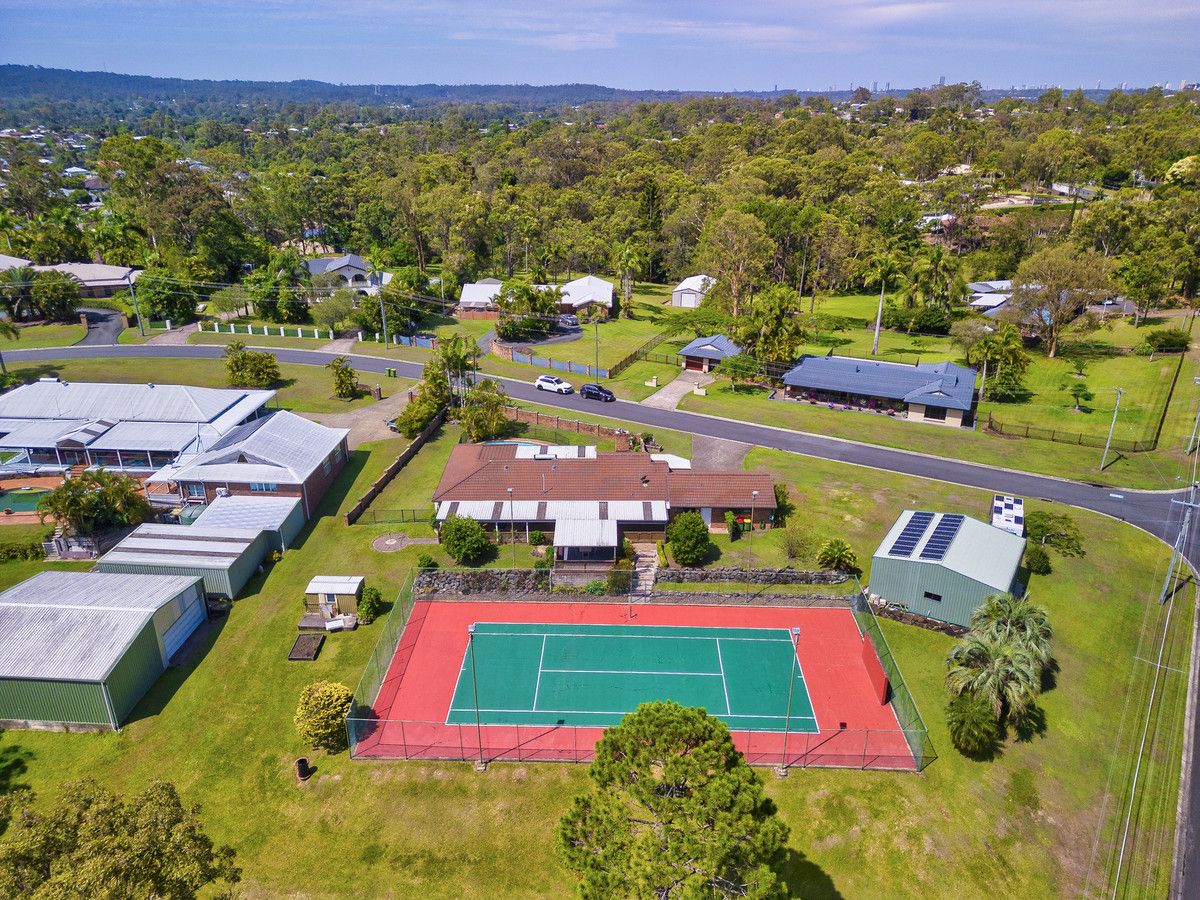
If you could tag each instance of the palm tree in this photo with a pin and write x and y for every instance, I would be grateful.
(1005, 617)
(883, 268)
(9, 332)
(1001, 671)
(837, 554)
(973, 726)
(629, 259)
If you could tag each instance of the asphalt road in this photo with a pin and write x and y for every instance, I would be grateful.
(1149, 510)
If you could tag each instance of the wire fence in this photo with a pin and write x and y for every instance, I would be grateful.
(372, 736)
(638, 354)
(903, 704)
(389, 516)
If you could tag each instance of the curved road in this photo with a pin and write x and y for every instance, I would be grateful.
(1152, 511)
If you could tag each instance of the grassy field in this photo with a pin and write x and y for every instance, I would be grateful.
(1037, 821)
(46, 336)
(302, 388)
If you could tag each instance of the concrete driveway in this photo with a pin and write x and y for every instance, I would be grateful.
(668, 396)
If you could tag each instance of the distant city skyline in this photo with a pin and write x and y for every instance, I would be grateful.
(648, 44)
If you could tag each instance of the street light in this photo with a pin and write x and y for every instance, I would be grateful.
(482, 764)
(512, 529)
(753, 499)
(787, 721)
(1111, 428)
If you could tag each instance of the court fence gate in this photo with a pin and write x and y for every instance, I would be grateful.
(371, 737)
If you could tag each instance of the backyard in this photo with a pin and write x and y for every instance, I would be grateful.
(1039, 820)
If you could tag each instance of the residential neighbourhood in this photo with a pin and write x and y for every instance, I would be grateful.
(448, 489)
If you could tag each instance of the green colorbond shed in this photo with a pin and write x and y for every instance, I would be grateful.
(80, 649)
(943, 566)
(226, 558)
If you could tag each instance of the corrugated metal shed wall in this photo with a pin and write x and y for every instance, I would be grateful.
(906, 581)
(70, 702)
(136, 673)
(291, 526)
(224, 581)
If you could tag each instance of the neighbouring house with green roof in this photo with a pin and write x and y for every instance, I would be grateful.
(944, 565)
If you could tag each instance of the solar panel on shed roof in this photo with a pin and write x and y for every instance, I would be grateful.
(907, 542)
(943, 535)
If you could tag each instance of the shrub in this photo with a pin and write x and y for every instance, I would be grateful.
(370, 607)
(797, 544)
(689, 538)
(545, 561)
(836, 554)
(1168, 340)
(595, 588)
(731, 525)
(464, 539)
(321, 715)
(974, 728)
(425, 561)
(536, 538)
(1057, 530)
(1037, 560)
(662, 554)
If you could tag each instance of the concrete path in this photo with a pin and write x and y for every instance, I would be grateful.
(339, 346)
(711, 454)
(176, 336)
(367, 423)
(668, 396)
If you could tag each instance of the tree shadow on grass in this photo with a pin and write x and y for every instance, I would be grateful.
(1050, 676)
(1032, 724)
(805, 878)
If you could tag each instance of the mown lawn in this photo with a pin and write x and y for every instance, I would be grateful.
(46, 336)
(301, 389)
(1037, 821)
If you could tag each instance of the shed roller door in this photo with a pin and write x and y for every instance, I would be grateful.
(183, 627)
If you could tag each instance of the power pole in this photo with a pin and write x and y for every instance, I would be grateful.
(383, 315)
(136, 311)
(1111, 428)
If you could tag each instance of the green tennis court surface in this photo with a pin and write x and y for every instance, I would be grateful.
(592, 675)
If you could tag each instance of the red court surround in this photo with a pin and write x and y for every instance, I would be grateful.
(409, 715)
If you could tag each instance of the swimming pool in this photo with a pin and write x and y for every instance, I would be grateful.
(22, 499)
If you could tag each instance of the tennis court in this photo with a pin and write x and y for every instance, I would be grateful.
(592, 675)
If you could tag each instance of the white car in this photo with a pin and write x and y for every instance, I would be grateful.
(553, 383)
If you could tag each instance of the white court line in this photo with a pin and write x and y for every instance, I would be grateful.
(724, 686)
(612, 712)
(537, 687)
(634, 672)
(640, 637)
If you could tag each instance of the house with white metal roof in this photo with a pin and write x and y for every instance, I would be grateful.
(78, 650)
(940, 393)
(279, 455)
(585, 291)
(52, 425)
(689, 293)
(480, 295)
(352, 269)
(944, 565)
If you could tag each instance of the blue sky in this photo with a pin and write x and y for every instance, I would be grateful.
(696, 44)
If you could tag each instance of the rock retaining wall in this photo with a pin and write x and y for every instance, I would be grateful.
(751, 576)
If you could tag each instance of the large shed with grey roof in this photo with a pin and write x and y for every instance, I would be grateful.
(225, 558)
(945, 565)
(80, 649)
(942, 393)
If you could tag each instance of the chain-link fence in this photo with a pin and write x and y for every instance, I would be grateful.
(903, 704)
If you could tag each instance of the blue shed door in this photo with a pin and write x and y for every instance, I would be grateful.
(182, 628)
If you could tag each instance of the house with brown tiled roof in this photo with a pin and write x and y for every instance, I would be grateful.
(589, 502)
